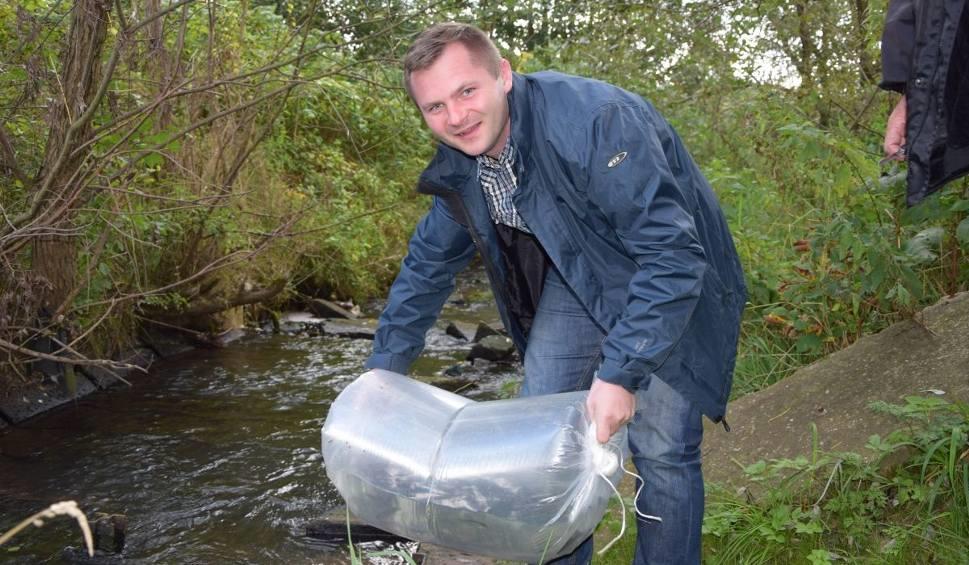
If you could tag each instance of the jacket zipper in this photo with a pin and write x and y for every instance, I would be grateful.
(451, 196)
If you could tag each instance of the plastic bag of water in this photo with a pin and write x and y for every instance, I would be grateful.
(521, 479)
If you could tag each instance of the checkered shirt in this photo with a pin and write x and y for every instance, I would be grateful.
(498, 182)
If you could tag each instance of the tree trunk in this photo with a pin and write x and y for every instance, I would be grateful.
(866, 66)
(54, 255)
(805, 60)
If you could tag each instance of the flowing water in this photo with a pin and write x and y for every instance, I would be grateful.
(214, 456)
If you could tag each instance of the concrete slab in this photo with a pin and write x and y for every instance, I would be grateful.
(102, 378)
(26, 403)
(913, 357)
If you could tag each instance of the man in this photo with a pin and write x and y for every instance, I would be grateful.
(925, 57)
(608, 255)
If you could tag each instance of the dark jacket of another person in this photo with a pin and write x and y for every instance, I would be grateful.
(925, 55)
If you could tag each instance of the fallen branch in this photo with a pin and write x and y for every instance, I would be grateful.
(204, 306)
(71, 361)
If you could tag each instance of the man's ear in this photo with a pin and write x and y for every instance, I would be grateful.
(504, 73)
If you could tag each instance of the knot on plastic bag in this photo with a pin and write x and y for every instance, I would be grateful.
(604, 459)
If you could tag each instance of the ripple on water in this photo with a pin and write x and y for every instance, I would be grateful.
(214, 456)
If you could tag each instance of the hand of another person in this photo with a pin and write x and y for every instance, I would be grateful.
(895, 132)
(609, 406)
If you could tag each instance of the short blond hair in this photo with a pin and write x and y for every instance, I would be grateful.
(429, 45)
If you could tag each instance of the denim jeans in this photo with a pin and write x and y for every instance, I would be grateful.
(664, 436)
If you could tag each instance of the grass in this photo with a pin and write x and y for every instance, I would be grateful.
(906, 499)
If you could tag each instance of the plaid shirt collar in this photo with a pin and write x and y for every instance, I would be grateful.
(505, 159)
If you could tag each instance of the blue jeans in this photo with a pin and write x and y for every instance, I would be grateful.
(664, 436)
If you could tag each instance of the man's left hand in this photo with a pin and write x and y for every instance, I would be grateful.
(609, 406)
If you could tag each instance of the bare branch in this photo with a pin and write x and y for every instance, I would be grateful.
(203, 306)
(10, 157)
(70, 361)
(79, 123)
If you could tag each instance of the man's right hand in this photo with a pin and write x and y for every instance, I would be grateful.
(610, 407)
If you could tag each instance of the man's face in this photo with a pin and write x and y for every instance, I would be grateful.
(463, 103)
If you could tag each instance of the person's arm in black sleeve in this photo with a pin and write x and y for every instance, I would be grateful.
(898, 41)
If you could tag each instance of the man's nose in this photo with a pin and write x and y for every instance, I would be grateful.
(456, 116)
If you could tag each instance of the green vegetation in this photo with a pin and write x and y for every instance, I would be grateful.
(167, 164)
(905, 499)
(165, 161)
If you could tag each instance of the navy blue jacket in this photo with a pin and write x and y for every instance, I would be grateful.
(623, 213)
(925, 55)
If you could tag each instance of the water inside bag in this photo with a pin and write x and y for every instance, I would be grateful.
(515, 479)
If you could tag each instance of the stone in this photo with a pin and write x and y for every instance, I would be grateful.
(496, 348)
(109, 532)
(102, 378)
(455, 370)
(460, 330)
(355, 329)
(166, 343)
(326, 309)
(483, 331)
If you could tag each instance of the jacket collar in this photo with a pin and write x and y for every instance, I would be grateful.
(519, 106)
(450, 170)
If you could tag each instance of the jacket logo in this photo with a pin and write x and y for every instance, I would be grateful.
(616, 159)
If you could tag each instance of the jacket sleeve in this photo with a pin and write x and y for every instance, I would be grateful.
(898, 43)
(651, 215)
(439, 248)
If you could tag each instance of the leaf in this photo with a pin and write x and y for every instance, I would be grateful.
(960, 206)
(757, 468)
(153, 160)
(809, 527)
(819, 556)
(921, 248)
(962, 231)
(809, 343)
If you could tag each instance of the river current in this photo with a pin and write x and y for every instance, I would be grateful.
(214, 456)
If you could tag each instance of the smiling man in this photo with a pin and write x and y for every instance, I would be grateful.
(607, 252)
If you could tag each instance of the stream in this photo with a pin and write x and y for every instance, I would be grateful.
(214, 456)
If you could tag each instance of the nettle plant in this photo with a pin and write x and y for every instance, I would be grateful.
(870, 263)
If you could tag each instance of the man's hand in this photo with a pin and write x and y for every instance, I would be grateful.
(609, 406)
(895, 132)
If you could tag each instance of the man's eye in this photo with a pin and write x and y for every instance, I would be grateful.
(467, 92)
(434, 109)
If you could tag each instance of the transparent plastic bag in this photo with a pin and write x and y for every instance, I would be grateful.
(521, 479)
